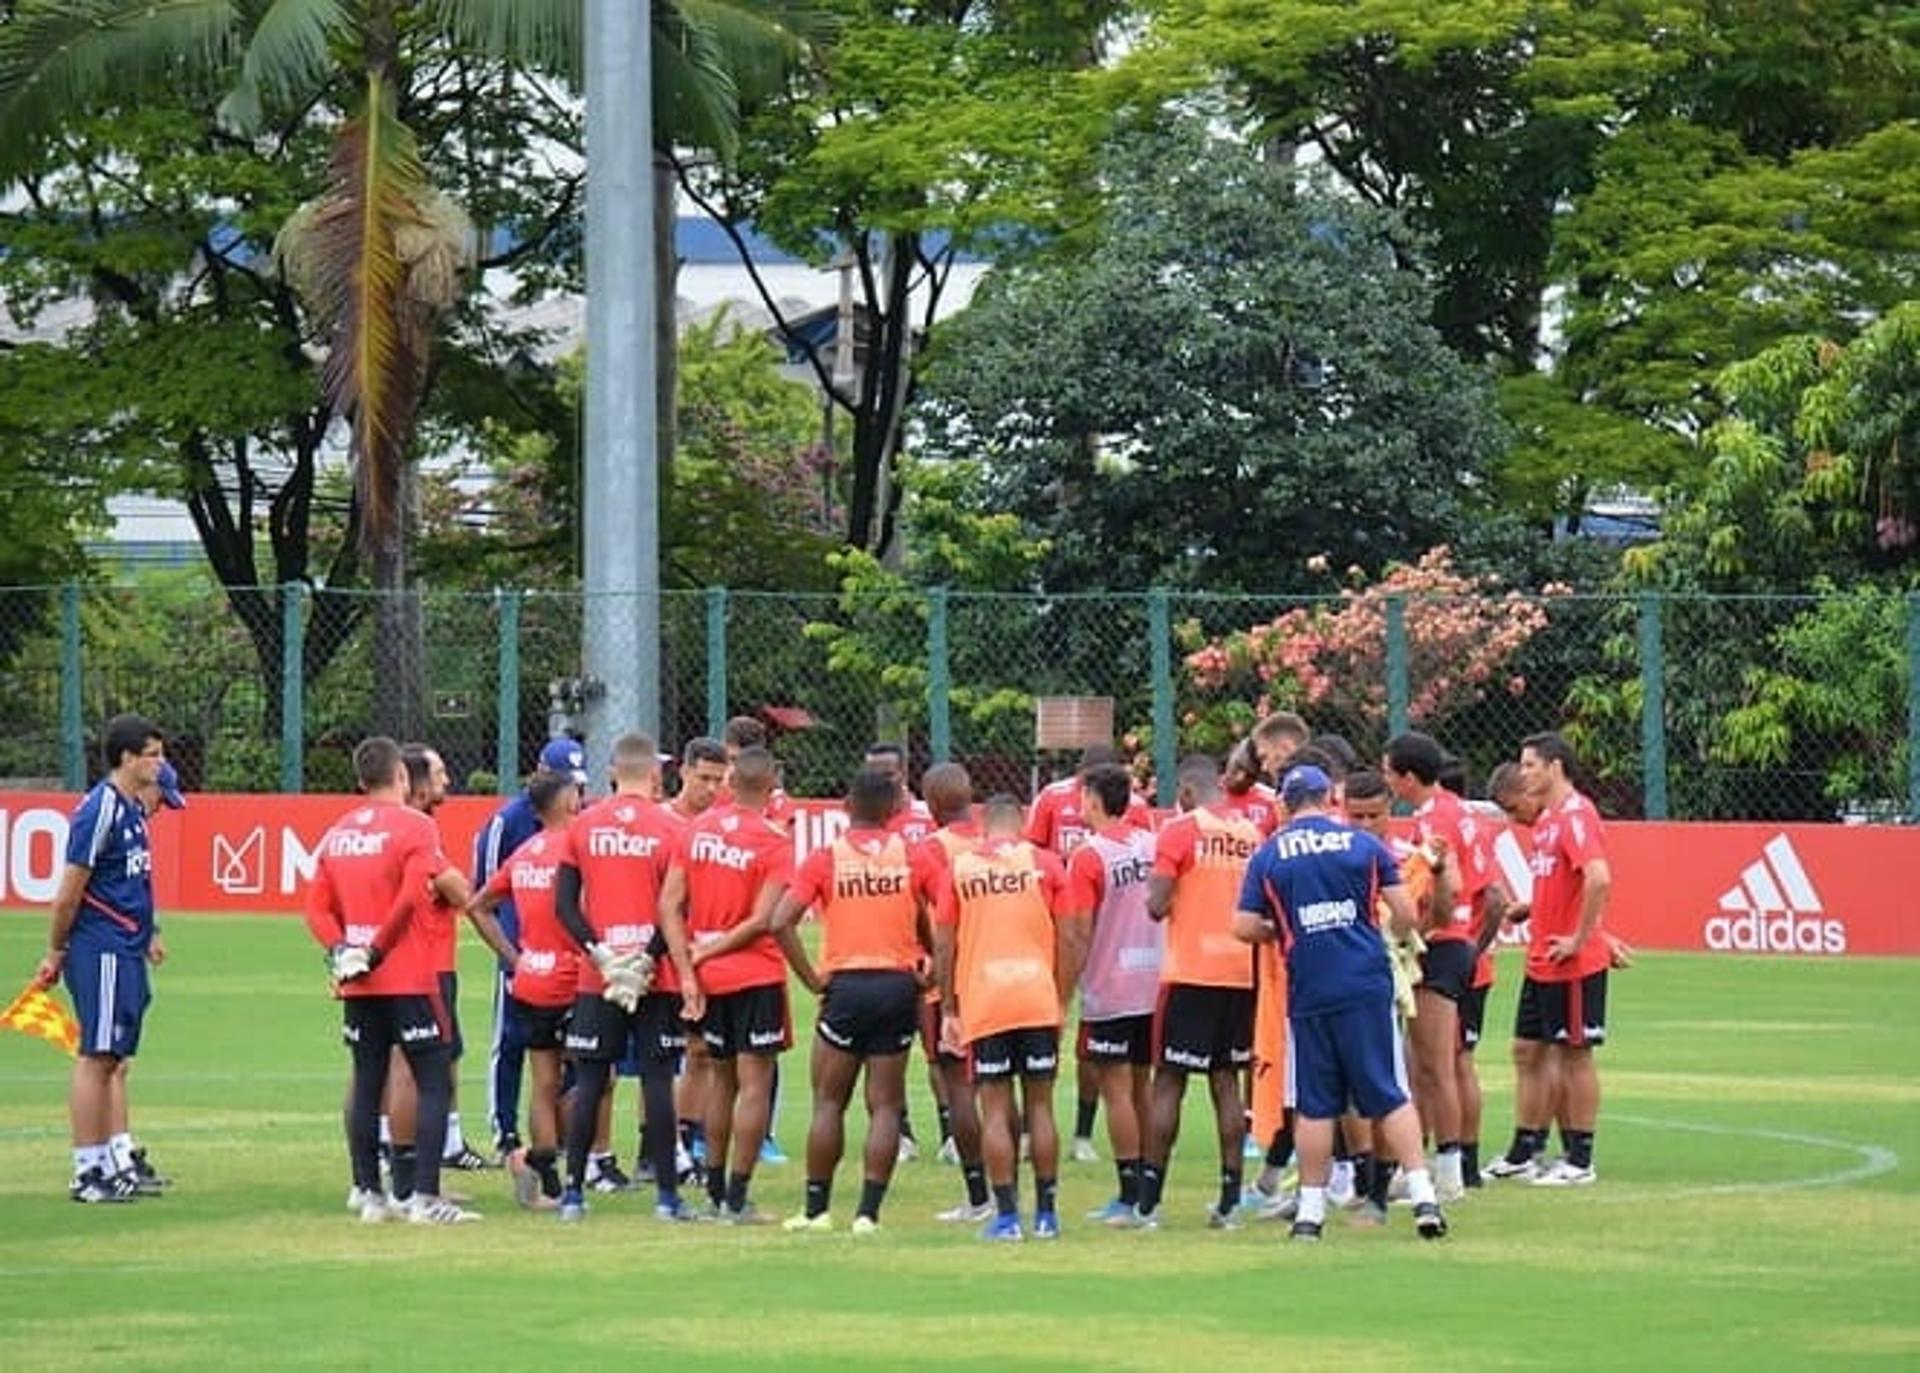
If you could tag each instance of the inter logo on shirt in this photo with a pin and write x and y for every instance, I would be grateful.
(859, 882)
(995, 882)
(1220, 847)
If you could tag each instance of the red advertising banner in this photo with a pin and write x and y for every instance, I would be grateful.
(1815, 891)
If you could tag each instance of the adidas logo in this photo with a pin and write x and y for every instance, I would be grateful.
(1774, 909)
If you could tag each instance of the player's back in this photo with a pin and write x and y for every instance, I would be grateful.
(1121, 976)
(869, 913)
(365, 860)
(1323, 879)
(621, 846)
(1003, 899)
(548, 970)
(1207, 851)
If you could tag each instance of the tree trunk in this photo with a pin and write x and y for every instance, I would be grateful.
(886, 381)
(399, 648)
(666, 322)
(666, 421)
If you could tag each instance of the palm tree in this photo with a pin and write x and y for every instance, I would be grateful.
(379, 254)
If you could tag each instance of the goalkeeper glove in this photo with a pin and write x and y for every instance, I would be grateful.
(345, 962)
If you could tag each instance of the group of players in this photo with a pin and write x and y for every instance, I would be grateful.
(1254, 936)
(1274, 938)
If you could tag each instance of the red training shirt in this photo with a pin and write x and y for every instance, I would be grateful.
(371, 878)
(727, 856)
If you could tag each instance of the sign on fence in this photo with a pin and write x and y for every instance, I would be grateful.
(1815, 891)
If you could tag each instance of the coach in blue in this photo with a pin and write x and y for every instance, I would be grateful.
(101, 939)
(1316, 885)
(511, 826)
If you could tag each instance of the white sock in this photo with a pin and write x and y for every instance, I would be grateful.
(386, 1131)
(1341, 1182)
(1313, 1205)
(1447, 1168)
(82, 1158)
(1419, 1186)
(120, 1152)
(456, 1142)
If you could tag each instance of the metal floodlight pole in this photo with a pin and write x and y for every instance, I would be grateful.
(619, 495)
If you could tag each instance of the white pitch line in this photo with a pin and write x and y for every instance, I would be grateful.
(1873, 1160)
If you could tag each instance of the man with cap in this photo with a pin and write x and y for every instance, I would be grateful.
(511, 826)
(1312, 886)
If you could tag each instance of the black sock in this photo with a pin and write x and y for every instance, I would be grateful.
(976, 1179)
(405, 1165)
(1281, 1149)
(717, 1186)
(1006, 1200)
(1046, 1193)
(589, 1085)
(1083, 1118)
(691, 1133)
(819, 1196)
(1229, 1190)
(736, 1196)
(1363, 1175)
(1526, 1143)
(542, 1163)
(1340, 1150)
(1382, 1180)
(1152, 1180)
(1470, 1162)
(656, 1102)
(871, 1195)
(1129, 1171)
(946, 1123)
(1579, 1146)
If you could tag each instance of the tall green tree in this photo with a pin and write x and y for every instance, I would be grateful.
(378, 250)
(1233, 365)
(924, 131)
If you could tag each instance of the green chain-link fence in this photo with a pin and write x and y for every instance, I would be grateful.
(1685, 707)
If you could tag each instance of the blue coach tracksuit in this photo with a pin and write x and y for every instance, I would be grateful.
(511, 826)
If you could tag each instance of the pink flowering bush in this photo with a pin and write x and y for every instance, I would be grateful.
(1328, 659)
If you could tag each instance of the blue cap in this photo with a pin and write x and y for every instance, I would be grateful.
(1302, 784)
(563, 755)
(169, 783)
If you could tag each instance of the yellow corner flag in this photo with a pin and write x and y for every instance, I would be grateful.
(34, 1012)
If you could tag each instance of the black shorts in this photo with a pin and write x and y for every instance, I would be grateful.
(1204, 1029)
(450, 997)
(870, 1013)
(545, 1027)
(752, 1020)
(1124, 1039)
(1569, 1013)
(653, 1038)
(412, 1024)
(1446, 969)
(1473, 1017)
(1016, 1053)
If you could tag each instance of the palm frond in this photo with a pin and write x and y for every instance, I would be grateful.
(288, 56)
(545, 35)
(343, 252)
(60, 58)
(695, 101)
(761, 42)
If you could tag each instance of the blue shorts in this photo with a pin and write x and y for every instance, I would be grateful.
(110, 995)
(1349, 1057)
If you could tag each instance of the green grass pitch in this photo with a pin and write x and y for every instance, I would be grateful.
(1759, 1207)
